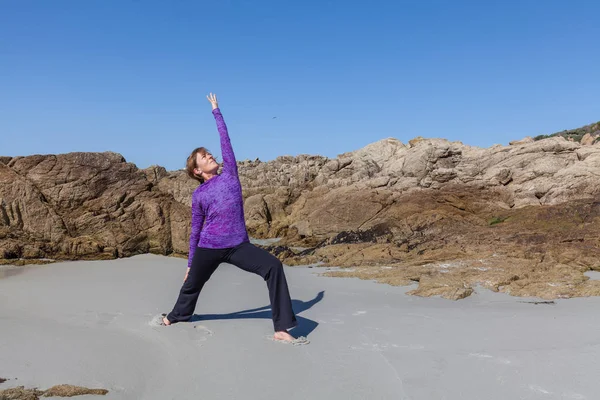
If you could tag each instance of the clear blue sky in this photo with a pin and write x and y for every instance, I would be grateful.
(131, 76)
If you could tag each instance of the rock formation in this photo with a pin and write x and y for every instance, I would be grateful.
(85, 205)
(521, 218)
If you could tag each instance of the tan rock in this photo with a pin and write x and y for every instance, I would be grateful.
(525, 140)
(71, 390)
(588, 139)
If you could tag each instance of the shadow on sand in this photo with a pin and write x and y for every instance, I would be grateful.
(304, 328)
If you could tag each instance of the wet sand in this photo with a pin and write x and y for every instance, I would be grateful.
(89, 324)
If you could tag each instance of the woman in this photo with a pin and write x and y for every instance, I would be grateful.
(219, 235)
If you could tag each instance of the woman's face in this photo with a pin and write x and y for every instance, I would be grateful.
(206, 163)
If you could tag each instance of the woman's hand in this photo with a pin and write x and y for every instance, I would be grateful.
(186, 274)
(213, 100)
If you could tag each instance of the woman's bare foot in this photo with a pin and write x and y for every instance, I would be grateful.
(283, 335)
(166, 321)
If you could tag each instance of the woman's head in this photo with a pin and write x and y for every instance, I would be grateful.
(200, 163)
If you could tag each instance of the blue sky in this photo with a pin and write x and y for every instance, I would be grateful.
(131, 76)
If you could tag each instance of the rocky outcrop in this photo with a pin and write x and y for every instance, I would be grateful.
(85, 205)
(301, 193)
(21, 393)
(492, 214)
(520, 218)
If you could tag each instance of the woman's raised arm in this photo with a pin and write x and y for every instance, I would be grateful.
(229, 162)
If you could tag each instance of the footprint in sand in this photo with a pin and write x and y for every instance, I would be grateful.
(156, 320)
(199, 334)
(196, 333)
(359, 313)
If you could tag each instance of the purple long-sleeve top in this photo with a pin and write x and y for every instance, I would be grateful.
(217, 204)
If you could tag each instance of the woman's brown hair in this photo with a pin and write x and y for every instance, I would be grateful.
(190, 164)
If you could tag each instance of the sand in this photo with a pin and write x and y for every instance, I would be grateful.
(90, 324)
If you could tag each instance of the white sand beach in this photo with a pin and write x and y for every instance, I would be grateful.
(88, 323)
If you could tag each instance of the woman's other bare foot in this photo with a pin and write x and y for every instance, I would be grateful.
(283, 335)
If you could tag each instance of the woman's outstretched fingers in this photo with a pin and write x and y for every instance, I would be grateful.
(213, 100)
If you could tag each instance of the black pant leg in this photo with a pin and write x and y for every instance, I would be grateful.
(256, 260)
(204, 263)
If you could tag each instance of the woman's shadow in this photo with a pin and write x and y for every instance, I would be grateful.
(304, 328)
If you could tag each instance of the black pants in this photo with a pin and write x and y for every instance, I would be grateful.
(249, 258)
